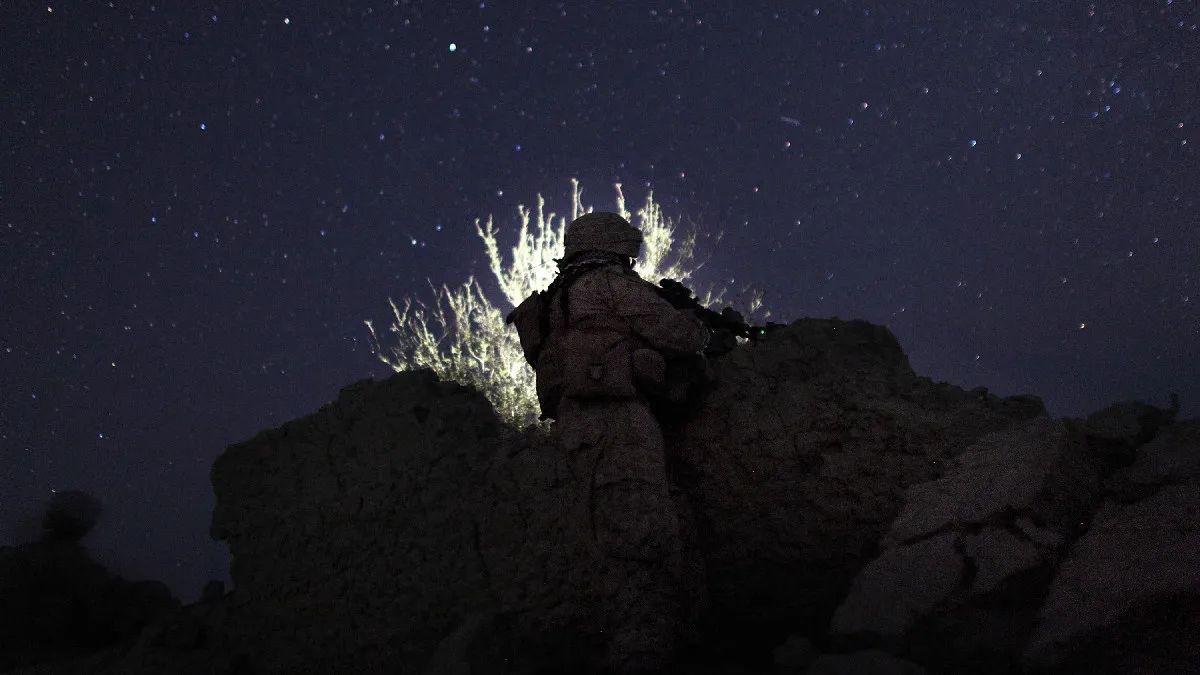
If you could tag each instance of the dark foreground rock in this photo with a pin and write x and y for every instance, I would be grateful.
(840, 514)
(868, 662)
(56, 602)
(1127, 597)
(967, 560)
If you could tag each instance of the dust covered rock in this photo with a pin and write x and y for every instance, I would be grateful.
(1127, 597)
(967, 558)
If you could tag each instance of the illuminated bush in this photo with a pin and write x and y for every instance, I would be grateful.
(461, 335)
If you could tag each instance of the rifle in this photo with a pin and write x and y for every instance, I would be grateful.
(726, 326)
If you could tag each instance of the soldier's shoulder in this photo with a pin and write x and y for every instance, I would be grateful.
(623, 273)
(614, 278)
(631, 278)
(606, 273)
(586, 280)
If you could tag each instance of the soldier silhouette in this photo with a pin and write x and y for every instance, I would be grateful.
(599, 339)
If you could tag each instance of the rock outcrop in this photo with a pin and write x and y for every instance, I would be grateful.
(967, 560)
(797, 464)
(840, 514)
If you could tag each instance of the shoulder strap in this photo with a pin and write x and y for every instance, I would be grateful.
(543, 300)
(563, 283)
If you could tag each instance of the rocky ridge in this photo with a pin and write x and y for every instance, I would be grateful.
(842, 515)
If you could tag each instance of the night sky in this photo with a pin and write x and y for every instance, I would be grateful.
(201, 203)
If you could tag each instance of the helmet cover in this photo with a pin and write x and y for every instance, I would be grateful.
(602, 231)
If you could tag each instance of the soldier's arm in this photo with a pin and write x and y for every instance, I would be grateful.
(654, 319)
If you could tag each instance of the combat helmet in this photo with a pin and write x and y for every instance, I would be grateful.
(601, 231)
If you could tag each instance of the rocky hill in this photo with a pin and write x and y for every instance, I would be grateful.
(842, 515)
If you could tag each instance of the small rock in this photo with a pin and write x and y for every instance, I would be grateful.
(868, 662)
(796, 652)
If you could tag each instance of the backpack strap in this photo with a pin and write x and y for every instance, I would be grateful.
(563, 283)
(544, 299)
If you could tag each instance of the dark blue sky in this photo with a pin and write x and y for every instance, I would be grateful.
(201, 203)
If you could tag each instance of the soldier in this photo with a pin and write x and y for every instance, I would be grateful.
(597, 339)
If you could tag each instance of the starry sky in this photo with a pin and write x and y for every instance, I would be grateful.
(201, 203)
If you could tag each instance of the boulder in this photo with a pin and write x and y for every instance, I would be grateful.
(964, 562)
(900, 587)
(1127, 597)
(1038, 468)
(1115, 431)
(1172, 457)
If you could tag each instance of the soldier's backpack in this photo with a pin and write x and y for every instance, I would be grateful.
(532, 321)
(671, 383)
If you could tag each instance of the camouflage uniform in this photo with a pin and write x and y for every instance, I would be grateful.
(604, 347)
